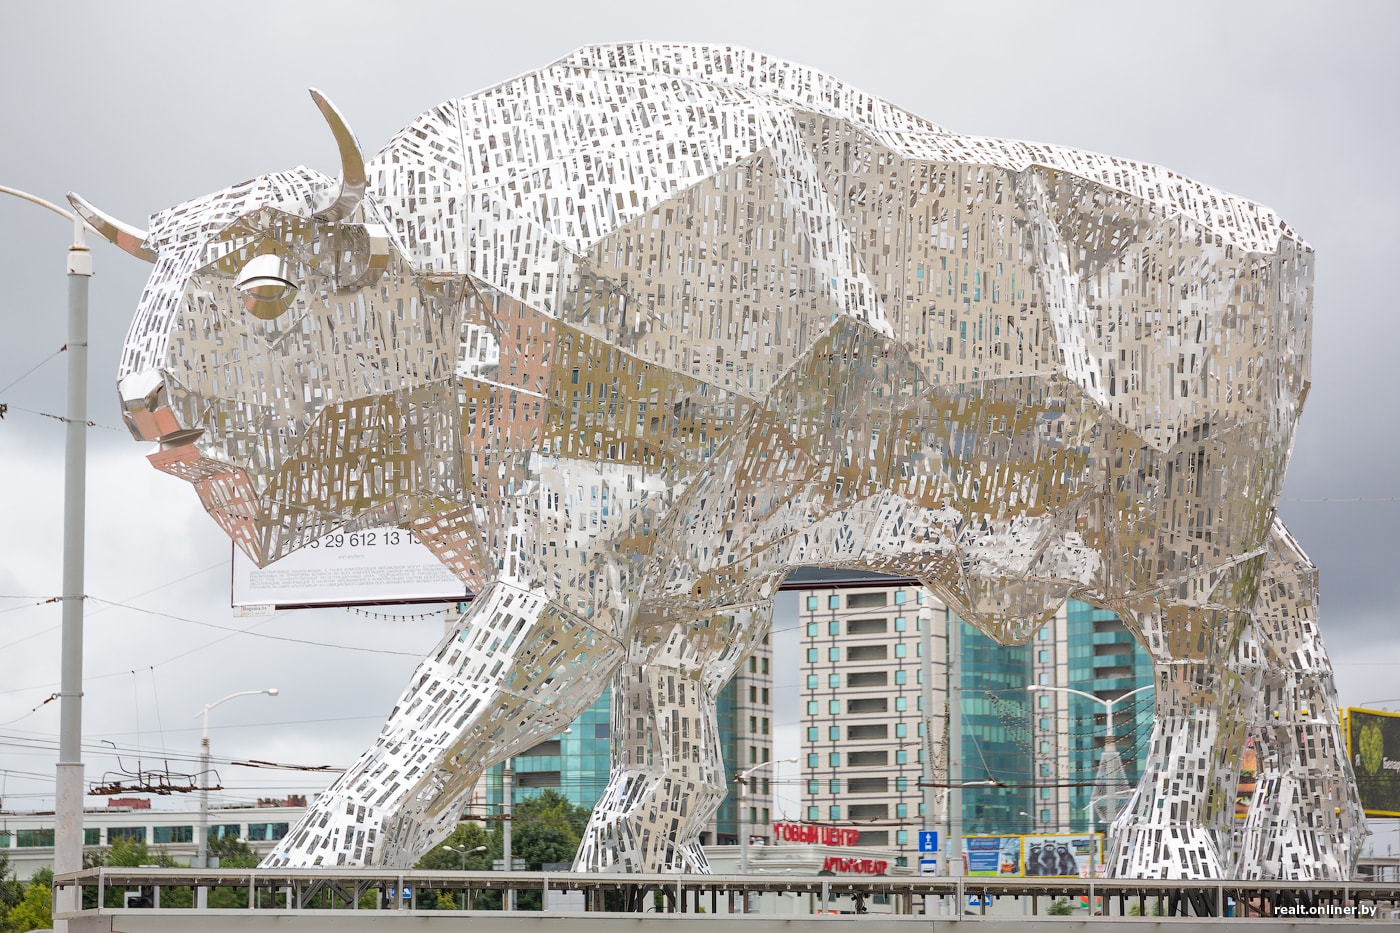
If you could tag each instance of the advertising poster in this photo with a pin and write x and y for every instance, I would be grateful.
(1373, 745)
(378, 565)
(993, 856)
(1069, 855)
(1249, 769)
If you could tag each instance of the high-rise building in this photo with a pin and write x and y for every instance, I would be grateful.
(1028, 758)
(576, 763)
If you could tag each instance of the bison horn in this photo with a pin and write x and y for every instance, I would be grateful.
(123, 236)
(341, 203)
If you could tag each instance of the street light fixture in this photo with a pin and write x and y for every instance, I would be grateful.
(1110, 748)
(68, 779)
(464, 851)
(202, 833)
(742, 779)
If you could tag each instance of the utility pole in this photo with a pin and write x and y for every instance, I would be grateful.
(955, 768)
(507, 793)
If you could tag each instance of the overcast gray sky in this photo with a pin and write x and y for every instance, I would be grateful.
(142, 105)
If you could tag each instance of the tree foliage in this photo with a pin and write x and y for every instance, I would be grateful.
(34, 911)
(546, 829)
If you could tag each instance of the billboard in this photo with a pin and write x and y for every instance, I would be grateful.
(993, 856)
(1045, 855)
(1060, 855)
(1373, 746)
(377, 565)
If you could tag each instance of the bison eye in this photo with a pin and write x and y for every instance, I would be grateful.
(266, 288)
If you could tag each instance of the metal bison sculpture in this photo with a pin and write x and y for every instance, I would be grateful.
(627, 339)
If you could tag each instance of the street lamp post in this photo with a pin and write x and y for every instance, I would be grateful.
(201, 840)
(464, 852)
(742, 779)
(1110, 748)
(68, 790)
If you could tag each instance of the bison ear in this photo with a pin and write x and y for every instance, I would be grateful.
(340, 203)
(126, 238)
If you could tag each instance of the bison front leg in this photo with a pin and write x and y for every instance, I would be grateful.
(1176, 823)
(1304, 822)
(667, 773)
(516, 668)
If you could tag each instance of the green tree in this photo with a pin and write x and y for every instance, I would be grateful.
(1060, 908)
(232, 853)
(546, 828)
(35, 909)
(11, 891)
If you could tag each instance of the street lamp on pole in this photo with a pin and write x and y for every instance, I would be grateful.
(464, 852)
(68, 790)
(742, 779)
(201, 840)
(1110, 748)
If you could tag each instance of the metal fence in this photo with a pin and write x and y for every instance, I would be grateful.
(171, 889)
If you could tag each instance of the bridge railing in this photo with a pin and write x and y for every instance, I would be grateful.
(172, 889)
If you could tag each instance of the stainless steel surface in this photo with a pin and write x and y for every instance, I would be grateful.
(650, 327)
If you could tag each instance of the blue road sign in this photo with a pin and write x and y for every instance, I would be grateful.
(928, 840)
(928, 867)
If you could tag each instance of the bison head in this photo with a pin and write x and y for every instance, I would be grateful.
(288, 360)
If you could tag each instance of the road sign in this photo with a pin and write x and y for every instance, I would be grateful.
(928, 867)
(518, 864)
(928, 840)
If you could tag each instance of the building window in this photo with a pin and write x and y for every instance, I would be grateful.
(1045, 748)
(900, 623)
(811, 733)
(763, 725)
(900, 704)
(833, 601)
(811, 681)
(901, 731)
(1043, 701)
(811, 656)
(1044, 657)
(834, 786)
(833, 654)
(753, 724)
(767, 753)
(1044, 816)
(866, 600)
(130, 833)
(868, 785)
(1045, 725)
(833, 681)
(814, 787)
(834, 733)
(1044, 770)
(33, 838)
(261, 832)
(763, 695)
(867, 627)
(863, 653)
(867, 731)
(901, 783)
(811, 605)
(901, 650)
(834, 759)
(901, 837)
(901, 678)
(899, 596)
(814, 760)
(833, 627)
(753, 693)
(833, 707)
(835, 812)
(92, 836)
(901, 757)
(869, 705)
(811, 630)
(814, 813)
(162, 835)
(765, 815)
(763, 665)
(812, 707)
(871, 759)
(753, 754)
(901, 810)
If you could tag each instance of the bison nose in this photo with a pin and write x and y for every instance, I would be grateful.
(147, 412)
